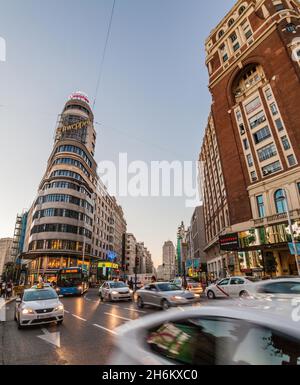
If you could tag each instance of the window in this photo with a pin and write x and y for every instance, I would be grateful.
(268, 93)
(246, 144)
(274, 109)
(225, 57)
(236, 46)
(253, 105)
(242, 129)
(279, 125)
(239, 115)
(224, 282)
(233, 37)
(250, 160)
(242, 9)
(247, 30)
(281, 288)
(267, 152)
(221, 341)
(262, 134)
(260, 206)
(72, 162)
(291, 160)
(271, 168)
(236, 281)
(253, 176)
(280, 201)
(279, 7)
(221, 33)
(75, 150)
(285, 143)
(291, 28)
(230, 22)
(257, 119)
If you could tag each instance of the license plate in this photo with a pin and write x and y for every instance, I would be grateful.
(42, 316)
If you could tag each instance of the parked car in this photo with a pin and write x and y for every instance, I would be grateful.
(39, 305)
(164, 295)
(115, 291)
(280, 288)
(210, 335)
(229, 287)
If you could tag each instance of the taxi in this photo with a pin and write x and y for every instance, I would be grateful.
(39, 305)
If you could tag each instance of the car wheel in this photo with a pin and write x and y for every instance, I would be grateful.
(101, 297)
(164, 304)
(211, 295)
(244, 294)
(140, 303)
(60, 322)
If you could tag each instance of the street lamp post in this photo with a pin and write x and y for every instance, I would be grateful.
(291, 230)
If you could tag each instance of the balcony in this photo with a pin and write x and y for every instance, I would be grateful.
(294, 214)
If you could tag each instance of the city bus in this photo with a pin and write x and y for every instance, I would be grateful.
(72, 281)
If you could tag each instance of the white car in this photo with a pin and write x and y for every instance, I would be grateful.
(115, 291)
(212, 335)
(39, 305)
(229, 287)
(283, 288)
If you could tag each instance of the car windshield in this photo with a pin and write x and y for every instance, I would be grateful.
(117, 285)
(39, 295)
(70, 279)
(168, 287)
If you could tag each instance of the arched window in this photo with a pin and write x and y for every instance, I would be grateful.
(230, 22)
(280, 201)
(242, 9)
(221, 33)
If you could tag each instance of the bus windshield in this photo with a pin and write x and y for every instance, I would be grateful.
(69, 279)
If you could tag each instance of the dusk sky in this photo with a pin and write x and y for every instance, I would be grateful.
(153, 101)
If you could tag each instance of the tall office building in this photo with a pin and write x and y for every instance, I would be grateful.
(73, 221)
(5, 252)
(251, 147)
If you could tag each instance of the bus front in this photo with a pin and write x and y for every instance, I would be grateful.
(72, 281)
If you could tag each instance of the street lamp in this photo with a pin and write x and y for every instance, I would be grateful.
(291, 230)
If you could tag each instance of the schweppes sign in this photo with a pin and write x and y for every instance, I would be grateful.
(74, 126)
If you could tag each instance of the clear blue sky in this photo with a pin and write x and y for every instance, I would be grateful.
(153, 100)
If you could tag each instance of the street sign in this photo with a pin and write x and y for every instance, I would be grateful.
(229, 242)
(292, 248)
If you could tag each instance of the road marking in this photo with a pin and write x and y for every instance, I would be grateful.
(132, 309)
(110, 304)
(67, 311)
(76, 316)
(51, 338)
(117, 316)
(103, 328)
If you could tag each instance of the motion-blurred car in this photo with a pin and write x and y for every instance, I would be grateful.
(192, 285)
(115, 291)
(212, 335)
(282, 288)
(164, 295)
(229, 287)
(39, 305)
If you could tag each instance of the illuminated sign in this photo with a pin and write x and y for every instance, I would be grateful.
(111, 256)
(80, 96)
(109, 265)
(229, 242)
(72, 271)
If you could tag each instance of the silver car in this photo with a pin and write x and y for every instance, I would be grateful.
(164, 295)
(115, 291)
(211, 335)
(283, 288)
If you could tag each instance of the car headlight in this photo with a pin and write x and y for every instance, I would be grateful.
(197, 295)
(130, 291)
(27, 311)
(57, 289)
(79, 288)
(59, 308)
(114, 292)
(177, 298)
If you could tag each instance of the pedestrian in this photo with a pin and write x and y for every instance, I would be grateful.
(130, 284)
(3, 289)
(9, 289)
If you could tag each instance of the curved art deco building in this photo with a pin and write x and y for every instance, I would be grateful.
(64, 225)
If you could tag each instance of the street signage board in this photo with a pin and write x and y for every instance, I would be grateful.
(292, 248)
(229, 242)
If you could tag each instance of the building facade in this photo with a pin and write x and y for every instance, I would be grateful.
(73, 220)
(130, 260)
(6, 245)
(169, 260)
(251, 181)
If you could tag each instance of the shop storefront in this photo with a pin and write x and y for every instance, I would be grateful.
(107, 271)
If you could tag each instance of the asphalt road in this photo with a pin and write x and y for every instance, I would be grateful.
(86, 337)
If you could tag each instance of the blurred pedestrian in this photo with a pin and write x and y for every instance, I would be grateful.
(9, 289)
(3, 289)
